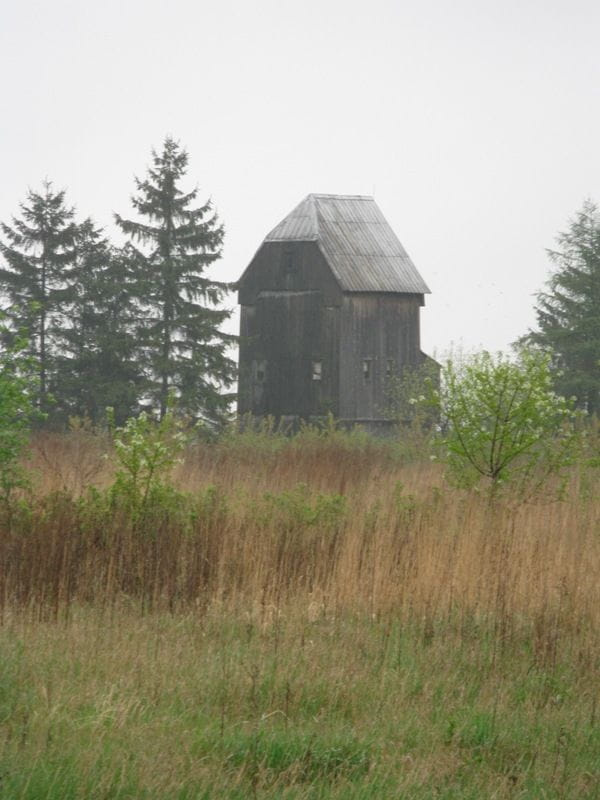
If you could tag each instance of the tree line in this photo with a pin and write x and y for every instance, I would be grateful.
(568, 311)
(127, 326)
(130, 326)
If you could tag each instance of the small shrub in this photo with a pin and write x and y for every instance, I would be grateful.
(503, 423)
(146, 452)
(17, 389)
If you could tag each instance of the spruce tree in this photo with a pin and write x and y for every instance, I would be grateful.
(97, 363)
(185, 351)
(568, 312)
(39, 254)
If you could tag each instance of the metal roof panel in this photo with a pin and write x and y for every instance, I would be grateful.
(361, 248)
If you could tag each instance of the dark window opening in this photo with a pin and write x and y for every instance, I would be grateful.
(317, 370)
(260, 371)
(287, 262)
(366, 369)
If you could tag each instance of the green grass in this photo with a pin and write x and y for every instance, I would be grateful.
(312, 618)
(202, 706)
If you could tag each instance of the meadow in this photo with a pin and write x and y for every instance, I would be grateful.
(314, 617)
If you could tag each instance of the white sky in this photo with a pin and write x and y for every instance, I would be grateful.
(475, 123)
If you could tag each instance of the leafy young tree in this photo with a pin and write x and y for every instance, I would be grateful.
(17, 391)
(97, 364)
(502, 421)
(183, 347)
(146, 452)
(39, 253)
(568, 312)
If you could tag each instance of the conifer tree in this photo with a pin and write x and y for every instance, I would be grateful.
(39, 254)
(568, 312)
(185, 351)
(97, 360)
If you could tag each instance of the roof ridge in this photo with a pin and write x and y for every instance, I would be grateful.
(314, 211)
(356, 240)
(343, 196)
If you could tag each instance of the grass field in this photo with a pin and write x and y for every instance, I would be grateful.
(320, 618)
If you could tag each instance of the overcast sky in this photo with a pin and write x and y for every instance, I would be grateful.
(475, 124)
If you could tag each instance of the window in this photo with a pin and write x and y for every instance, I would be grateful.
(260, 371)
(366, 369)
(317, 370)
(389, 368)
(287, 262)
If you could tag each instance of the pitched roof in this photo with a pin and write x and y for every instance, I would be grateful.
(362, 250)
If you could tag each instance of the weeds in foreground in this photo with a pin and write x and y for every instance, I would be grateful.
(223, 705)
(317, 622)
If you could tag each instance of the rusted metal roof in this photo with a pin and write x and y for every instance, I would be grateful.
(362, 250)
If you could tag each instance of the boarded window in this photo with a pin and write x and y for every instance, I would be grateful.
(260, 371)
(288, 264)
(367, 369)
(317, 370)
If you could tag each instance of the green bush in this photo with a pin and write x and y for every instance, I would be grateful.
(17, 389)
(146, 452)
(503, 422)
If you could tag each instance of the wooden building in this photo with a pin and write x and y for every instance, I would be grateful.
(329, 313)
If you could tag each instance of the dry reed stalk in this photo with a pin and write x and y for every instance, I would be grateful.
(68, 461)
(424, 554)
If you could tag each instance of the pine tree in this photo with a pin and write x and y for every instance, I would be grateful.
(568, 312)
(185, 351)
(97, 362)
(39, 254)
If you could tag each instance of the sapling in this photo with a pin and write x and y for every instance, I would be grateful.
(17, 411)
(146, 451)
(502, 422)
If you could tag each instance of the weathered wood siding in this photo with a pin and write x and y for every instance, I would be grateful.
(290, 322)
(379, 334)
(285, 267)
(330, 313)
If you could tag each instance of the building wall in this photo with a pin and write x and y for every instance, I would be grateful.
(296, 322)
(288, 355)
(379, 335)
(288, 267)
(289, 333)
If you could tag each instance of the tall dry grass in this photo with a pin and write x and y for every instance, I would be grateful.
(336, 525)
(311, 618)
